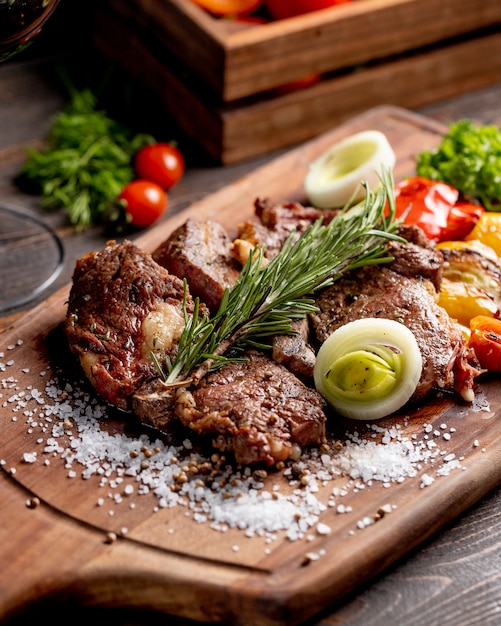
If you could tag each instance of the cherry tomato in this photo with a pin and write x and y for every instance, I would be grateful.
(435, 207)
(229, 7)
(162, 163)
(485, 339)
(144, 202)
(281, 9)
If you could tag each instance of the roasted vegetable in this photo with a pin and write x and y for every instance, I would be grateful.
(463, 301)
(471, 283)
(436, 208)
(335, 178)
(485, 339)
(471, 265)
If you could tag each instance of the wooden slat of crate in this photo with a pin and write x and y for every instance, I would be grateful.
(236, 64)
(233, 133)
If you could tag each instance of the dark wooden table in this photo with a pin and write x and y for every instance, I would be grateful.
(452, 580)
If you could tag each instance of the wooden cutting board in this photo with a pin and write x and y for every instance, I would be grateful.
(165, 560)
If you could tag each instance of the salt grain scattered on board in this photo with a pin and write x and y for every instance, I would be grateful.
(65, 422)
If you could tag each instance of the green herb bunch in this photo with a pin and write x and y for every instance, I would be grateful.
(469, 159)
(86, 162)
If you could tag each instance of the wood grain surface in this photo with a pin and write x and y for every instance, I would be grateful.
(234, 63)
(194, 572)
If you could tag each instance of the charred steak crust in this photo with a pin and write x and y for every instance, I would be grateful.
(256, 408)
(122, 306)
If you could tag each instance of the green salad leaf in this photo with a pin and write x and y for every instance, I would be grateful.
(469, 159)
(86, 161)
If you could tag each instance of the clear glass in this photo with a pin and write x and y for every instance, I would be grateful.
(31, 257)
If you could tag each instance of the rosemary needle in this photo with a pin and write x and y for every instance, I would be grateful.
(266, 299)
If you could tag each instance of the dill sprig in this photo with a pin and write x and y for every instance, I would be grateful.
(267, 298)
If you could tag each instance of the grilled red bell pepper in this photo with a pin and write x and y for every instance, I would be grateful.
(436, 208)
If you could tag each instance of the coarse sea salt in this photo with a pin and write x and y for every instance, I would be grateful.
(68, 423)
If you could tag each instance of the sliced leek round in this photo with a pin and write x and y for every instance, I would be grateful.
(335, 178)
(369, 368)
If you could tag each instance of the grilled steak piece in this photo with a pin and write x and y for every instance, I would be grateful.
(283, 217)
(417, 257)
(257, 409)
(200, 251)
(377, 291)
(277, 221)
(294, 351)
(154, 404)
(122, 307)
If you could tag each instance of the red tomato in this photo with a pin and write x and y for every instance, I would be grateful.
(435, 208)
(144, 202)
(281, 9)
(485, 339)
(162, 163)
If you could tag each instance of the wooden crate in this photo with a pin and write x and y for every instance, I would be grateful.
(228, 80)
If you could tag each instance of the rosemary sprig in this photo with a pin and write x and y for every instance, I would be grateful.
(267, 298)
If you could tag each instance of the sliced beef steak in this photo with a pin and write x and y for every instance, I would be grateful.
(200, 251)
(257, 409)
(406, 290)
(122, 307)
(377, 291)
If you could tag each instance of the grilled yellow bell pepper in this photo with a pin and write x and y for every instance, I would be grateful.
(488, 231)
(463, 301)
